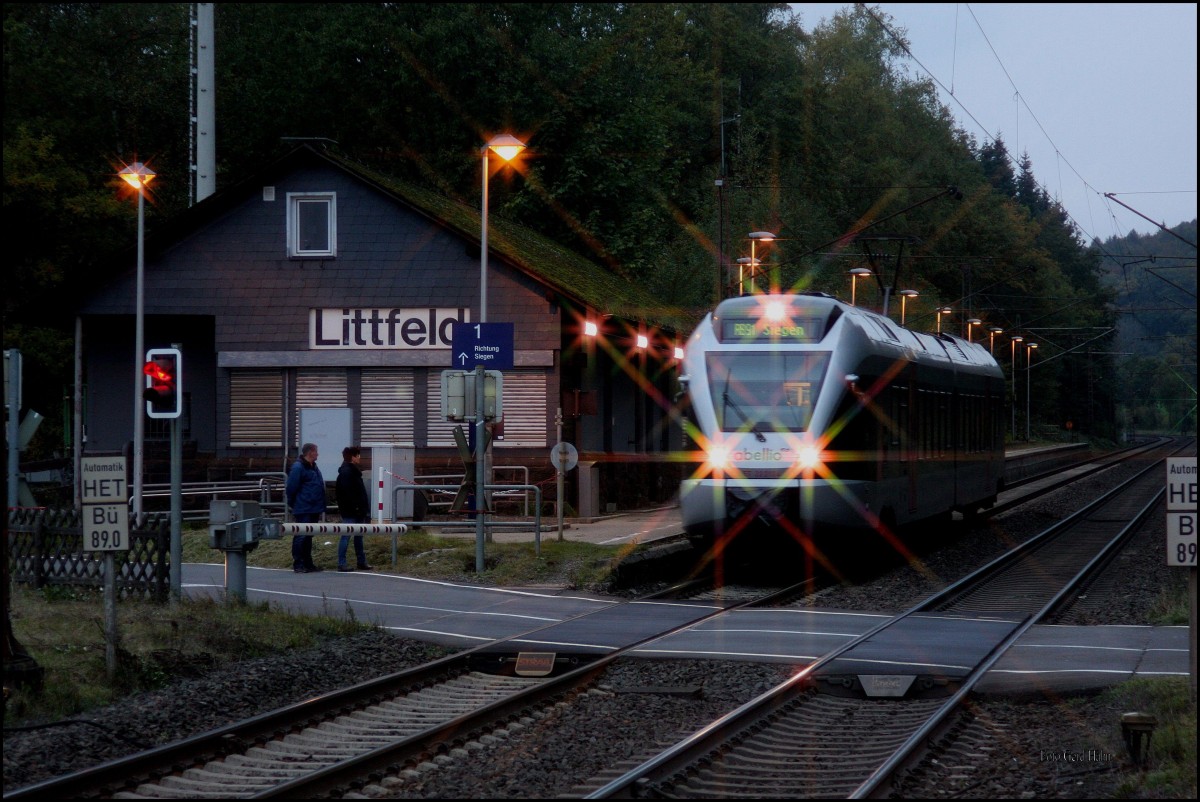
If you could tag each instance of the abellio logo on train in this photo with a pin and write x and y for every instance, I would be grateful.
(762, 455)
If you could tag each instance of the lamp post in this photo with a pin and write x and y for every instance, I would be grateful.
(1015, 340)
(138, 176)
(755, 238)
(743, 263)
(1028, 363)
(992, 332)
(971, 323)
(904, 296)
(945, 310)
(506, 146)
(855, 274)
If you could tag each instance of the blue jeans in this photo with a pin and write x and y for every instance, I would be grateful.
(358, 545)
(302, 544)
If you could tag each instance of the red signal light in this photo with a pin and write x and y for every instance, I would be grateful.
(164, 390)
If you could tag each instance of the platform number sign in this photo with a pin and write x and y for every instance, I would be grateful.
(105, 504)
(1181, 511)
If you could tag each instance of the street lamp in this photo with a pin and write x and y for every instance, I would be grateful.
(743, 263)
(904, 296)
(138, 176)
(1015, 340)
(506, 146)
(945, 310)
(755, 238)
(992, 332)
(1028, 360)
(972, 321)
(855, 274)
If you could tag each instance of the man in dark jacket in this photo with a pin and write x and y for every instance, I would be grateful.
(353, 505)
(306, 499)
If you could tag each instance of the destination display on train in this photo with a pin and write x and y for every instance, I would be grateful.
(795, 330)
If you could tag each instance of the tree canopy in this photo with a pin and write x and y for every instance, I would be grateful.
(632, 112)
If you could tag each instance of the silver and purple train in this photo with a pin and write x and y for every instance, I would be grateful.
(808, 415)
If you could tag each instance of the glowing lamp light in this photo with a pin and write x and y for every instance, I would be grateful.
(506, 146)
(718, 457)
(137, 175)
(642, 342)
(855, 275)
(775, 311)
(679, 353)
(808, 458)
(590, 328)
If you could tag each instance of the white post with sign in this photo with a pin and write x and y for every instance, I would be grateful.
(1181, 536)
(106, 529)
(564, 457)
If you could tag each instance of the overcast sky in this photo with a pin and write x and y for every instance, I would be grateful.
(1102, 96)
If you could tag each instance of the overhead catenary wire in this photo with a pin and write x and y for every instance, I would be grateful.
(1017, 94)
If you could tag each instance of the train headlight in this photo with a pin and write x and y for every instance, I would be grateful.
(808, 458)
(718, 458)
(775, 311)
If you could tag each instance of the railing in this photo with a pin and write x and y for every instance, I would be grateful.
(489, 523)
(443, 498)
(537, 492)
(264, 487)
(268, 489)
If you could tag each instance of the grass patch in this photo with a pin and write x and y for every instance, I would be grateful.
(420, 553)
(1172, 607)
(63, 629)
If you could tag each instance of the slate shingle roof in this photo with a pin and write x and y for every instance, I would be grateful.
(568, 273)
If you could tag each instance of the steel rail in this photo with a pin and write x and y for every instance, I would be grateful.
(679, 755)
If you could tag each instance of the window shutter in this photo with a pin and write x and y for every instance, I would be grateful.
(255, 408)
(319, 388)
(440, 432)
(524, 409)
(387, 406)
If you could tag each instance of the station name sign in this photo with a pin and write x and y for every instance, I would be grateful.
(384, 328)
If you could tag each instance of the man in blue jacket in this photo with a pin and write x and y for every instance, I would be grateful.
(306, 499)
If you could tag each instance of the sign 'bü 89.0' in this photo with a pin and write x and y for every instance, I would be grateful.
(105, 504)
(1181, 511)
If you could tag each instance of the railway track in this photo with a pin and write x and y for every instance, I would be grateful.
(350, 739)
(844, 727)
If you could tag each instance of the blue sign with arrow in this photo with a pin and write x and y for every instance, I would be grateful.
(486, 345)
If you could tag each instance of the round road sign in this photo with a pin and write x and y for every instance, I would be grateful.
(564, 456)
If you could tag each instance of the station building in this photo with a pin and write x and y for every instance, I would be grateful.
(319, 284)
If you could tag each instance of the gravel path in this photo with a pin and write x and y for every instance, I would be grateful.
(1037, 742)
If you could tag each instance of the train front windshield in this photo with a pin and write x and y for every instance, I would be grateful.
(764, 391)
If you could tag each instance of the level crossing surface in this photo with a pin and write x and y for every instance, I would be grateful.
(1055, 658)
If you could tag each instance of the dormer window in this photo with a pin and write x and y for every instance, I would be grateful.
(312, 224)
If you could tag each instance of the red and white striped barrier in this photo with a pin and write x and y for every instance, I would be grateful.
(382, 491)
(342, 529)
(379, 508)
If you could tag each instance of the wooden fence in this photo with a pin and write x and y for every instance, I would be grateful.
(45, 547)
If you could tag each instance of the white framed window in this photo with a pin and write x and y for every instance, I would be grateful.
(312, 224)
